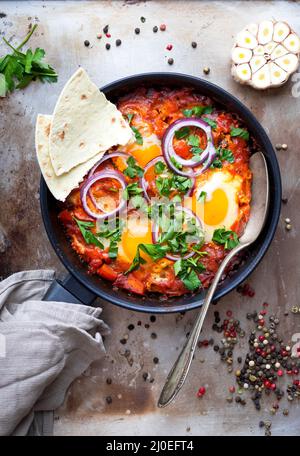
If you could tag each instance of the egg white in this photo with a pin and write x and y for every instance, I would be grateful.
(221, 188)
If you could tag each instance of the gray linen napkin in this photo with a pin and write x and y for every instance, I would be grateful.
(44, 346)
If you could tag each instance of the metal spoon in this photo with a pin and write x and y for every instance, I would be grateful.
(259, 206)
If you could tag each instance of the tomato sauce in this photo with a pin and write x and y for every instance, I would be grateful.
(152, 111)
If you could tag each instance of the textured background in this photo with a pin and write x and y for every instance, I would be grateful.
(63, 27)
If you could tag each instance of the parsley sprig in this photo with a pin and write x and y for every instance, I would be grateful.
(88, 236)
(222, 155)
(197, 111)
(138, 137)
(240, 132)
(133, 170)
(18, 69)
(228, 238)
(188, 270)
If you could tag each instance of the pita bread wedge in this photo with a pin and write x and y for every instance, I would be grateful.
(84, 123)
(59, 186)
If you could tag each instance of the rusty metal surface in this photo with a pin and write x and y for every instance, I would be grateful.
(63, 26)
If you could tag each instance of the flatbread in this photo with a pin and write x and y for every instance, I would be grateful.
(84, 123)
(59, 186)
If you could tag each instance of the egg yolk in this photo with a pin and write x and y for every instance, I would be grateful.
(215, 209)
(138, 231)
(144, 155)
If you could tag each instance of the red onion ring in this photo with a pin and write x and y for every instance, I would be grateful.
(144, 184)
(206, 157)
(107, 157)
(87, 185)
(155, 234)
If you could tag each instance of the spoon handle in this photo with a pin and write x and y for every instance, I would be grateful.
(180, 369)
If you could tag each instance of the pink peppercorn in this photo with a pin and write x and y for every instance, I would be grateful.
(169, 47)
(280, 373)
(108, 35)
(296, 382)
(232, 389)
(201, 391)
(162, 27)
(261, 338)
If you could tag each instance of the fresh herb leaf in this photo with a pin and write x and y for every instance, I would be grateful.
(138, 136)
(210, 122)
(155, 251)
(222, 155)
(133, 170)
(88, 236)
(182, 132)
(159, 167)
(112, 232)
(132, 190)
(193, 140)
(240, 132)
(24, 68)
(187, 271)
(165, 185)
(197, 111)
(202, 196)
(225, 237)
(129, 117)
(175, 163)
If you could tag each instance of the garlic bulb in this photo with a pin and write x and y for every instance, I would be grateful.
(265, 54)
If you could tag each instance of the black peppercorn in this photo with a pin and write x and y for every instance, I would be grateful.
(153, 318)
(137, 31)
(118, 42)
(194, 44)
(86, 43)
(155, 360)
(105, 29)
(155, 29)
(170, 61)
(109, 399)
(107, 46)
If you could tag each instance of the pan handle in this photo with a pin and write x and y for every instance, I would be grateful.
(69, 290)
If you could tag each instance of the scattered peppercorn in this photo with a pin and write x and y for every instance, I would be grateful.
(123, 341)
(86, 43)
(284, 200)
(153, 318)
(99, 36)
(153, 336)
(194, 44)
(147, 326)
(108, 35)
(288, 227)
(169, 47)
(130, 327)
(143, 19)
(162, 27)
(137, 31)
(107, 46)
(278, 146)
(284, 146)
(155, 360)
(206, 70)
(155, 29)
(109, 399)
(201, 391)
(170, 61)
(105, 29)
(118, 42)
(109, 381)
(145, 375)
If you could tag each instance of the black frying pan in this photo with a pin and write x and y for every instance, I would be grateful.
(81, 287)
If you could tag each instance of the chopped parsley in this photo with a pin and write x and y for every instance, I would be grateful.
(193, 141)
(197, 111)
(137, 134)
(182, 132)
(113, 234)
(225, 237)
(88, 236)
(159, 167)
(202, 197)
(132, 190)
(240, 132)
(133, 170)
(210, 122)
(165, 185)
(155, 251)
(188, 270)
(222, 155)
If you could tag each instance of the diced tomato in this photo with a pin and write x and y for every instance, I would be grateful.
(130, 283)
(107, 272)
(80, 214)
